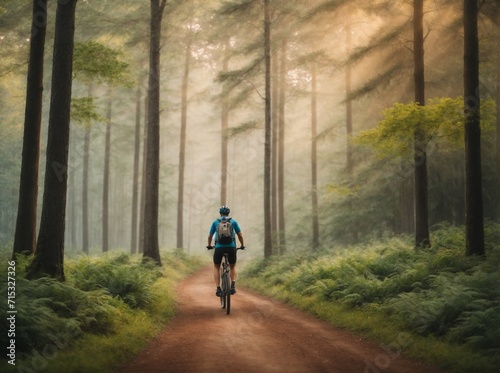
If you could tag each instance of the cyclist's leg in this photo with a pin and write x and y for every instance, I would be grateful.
(217, 274)
(234, 274)
(232, 266)
(217, 261)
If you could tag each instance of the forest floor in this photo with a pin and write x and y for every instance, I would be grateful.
(260, 335)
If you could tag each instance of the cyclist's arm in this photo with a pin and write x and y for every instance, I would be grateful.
(240, 238)
(211, 233)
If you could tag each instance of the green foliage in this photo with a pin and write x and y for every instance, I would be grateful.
(51, 312)
(109, 305)
(372, 200)
(437, 292)
(85, 112)
(117, 276)
(241, 129)
(95, 62)
(441, 118)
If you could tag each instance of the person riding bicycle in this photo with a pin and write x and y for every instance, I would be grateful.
(222, 248)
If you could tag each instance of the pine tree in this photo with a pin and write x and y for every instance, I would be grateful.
(474, 225)
(49, 255)
(25, 236)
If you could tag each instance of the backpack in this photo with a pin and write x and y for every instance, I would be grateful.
(225, 231)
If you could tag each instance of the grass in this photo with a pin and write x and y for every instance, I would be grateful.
(448, 304)
(107, 310)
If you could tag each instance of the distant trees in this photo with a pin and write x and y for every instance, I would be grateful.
(182, 147)
(340, 63)
(26, 223)
(49, 255)
(135, 177)
(268, 241)
(264, 72)
(96, 63)
(314, 159)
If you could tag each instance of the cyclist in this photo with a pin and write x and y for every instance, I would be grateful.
(229, 248)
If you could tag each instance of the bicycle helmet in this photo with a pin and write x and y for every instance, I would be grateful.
(224, 210)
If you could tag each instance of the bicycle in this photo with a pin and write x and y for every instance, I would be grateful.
(225, 281)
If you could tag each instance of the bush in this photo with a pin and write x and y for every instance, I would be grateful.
(101, 296)
(436, 291)
(119, 276)
(51, 312)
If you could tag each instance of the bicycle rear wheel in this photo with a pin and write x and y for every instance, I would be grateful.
(224, 290)
(226, 293)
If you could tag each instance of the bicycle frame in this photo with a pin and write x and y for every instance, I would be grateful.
(225, 281)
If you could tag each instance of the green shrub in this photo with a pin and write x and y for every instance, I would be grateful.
(436, 292)
(51, 312)
(107, 308)
(119, 276)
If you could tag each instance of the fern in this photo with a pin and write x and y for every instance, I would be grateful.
(118, 276)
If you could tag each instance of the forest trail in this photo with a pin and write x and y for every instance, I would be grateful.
(261, 335)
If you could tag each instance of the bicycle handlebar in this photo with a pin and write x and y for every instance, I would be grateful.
(238, 248)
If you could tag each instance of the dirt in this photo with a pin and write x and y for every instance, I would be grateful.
(260, 335)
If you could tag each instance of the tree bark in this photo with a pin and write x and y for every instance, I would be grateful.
(105, 184)
(474, 225)
(314, 162)
(268, 245)
(281, 151)
(49, 255)
(135, 180)
(348, 122)
(274, 151)
(151, 247)
(25, 235)
(182, 148)
(85, 191)
(497, 100)
(224, 126)
(422, 238)
(142, 206)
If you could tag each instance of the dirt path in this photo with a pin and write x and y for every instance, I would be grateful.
(260, 335)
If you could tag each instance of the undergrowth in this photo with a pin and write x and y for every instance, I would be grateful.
(107, 308)
(436, 294)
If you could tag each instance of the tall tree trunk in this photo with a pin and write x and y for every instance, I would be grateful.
(348, 122)
(474, 225)
(105, 184)
(182, 148)
(268, 243)
(25, 235)
(422, 238)
(274, 151)
(135, 180)
(314, 163)
(72, 194)
(151, 247)
(142, 205)
(49, 255)
(407, 202)
(224, 126)
(85, 191)
(497, 99)
(281, 151)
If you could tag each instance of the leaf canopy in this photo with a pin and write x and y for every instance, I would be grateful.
(441, 118)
